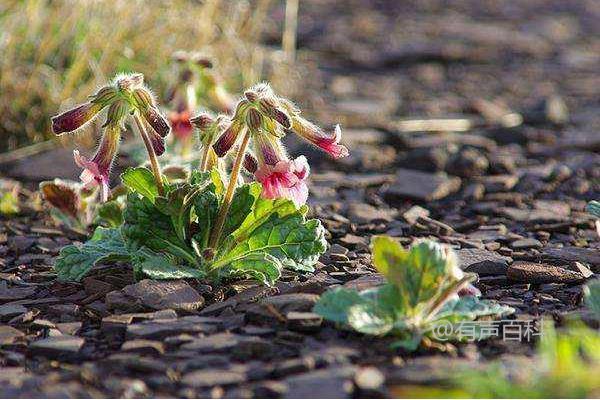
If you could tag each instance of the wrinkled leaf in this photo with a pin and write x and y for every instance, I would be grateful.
(109, 214)
(370, 318)
(470, 308)
(292, 240)
(334, 304)
(420, 273)
(593, 207)
(145, 226)
(262, 267)
(157, 266)
(245, 196)
(262, 210)
(75, 261)
(140, 180)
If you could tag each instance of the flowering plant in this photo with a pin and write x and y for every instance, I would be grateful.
(208, 226)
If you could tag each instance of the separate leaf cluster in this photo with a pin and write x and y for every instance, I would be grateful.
(166, 237)
(76, 207)
(420, 293)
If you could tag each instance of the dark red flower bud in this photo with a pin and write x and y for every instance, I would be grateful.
(75, 118)
(250, 163)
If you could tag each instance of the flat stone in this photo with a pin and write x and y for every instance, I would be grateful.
(527, 243)
(292, 302)
(11, 310)
(530, 216)
(529, 272)
(19, 244)
(144, 347)
(421, 186)
(331, 383)
(159, 329)
(571, 253)
(8, 335)
(303, 321)
(366, 282)
(15, 293)
(56, 346)
(206, 378)
(363, 213)
(213, 343)
(499, 183)
(159, 295)
(482, 262)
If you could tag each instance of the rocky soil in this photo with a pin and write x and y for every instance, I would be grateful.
(474, 124)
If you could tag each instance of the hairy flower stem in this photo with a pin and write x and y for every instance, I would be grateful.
(151, 154)
(235, 172)
(204, 162)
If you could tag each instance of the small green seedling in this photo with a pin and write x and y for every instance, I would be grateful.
(421, 293)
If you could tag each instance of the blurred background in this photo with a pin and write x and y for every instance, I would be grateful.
(364, 63)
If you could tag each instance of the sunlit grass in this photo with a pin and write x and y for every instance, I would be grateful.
(55, 52)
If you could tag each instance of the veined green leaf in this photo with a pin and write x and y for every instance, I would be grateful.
(262, 210)
(159, 266)
(292, 240)
(261, 266)
(140, 180)
(470, 308)
(245, 196)
(334, 304)
(109, 214)
(75, 261)
(370, 318)
(146, 226)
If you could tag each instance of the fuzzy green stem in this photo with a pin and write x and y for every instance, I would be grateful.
(235, 172)
(151, 154)
(204, 162)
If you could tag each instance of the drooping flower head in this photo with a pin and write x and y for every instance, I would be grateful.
(124, 96)
(268, 118)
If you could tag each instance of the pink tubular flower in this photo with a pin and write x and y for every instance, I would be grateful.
(97, 170)
(285, 179)
(316, 136)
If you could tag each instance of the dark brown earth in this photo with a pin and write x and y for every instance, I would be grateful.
(502, 175)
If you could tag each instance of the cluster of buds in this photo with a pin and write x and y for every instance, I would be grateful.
(267, 118)
(125, 96)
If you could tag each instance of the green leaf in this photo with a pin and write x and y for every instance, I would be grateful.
(592, 297)
(206, 208)
(261, 211)
(593, 207)
(177, 204)
(146, 226)
(245, 196)
(157, 266)
(260, 266)
(75, 261)
(109, 214)
(9, 203)
(471, 308)
(295, 242)
(421, 274)
(140, 180)
(334, 304)
(369, 318)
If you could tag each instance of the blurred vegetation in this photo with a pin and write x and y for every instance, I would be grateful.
(55, 52)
